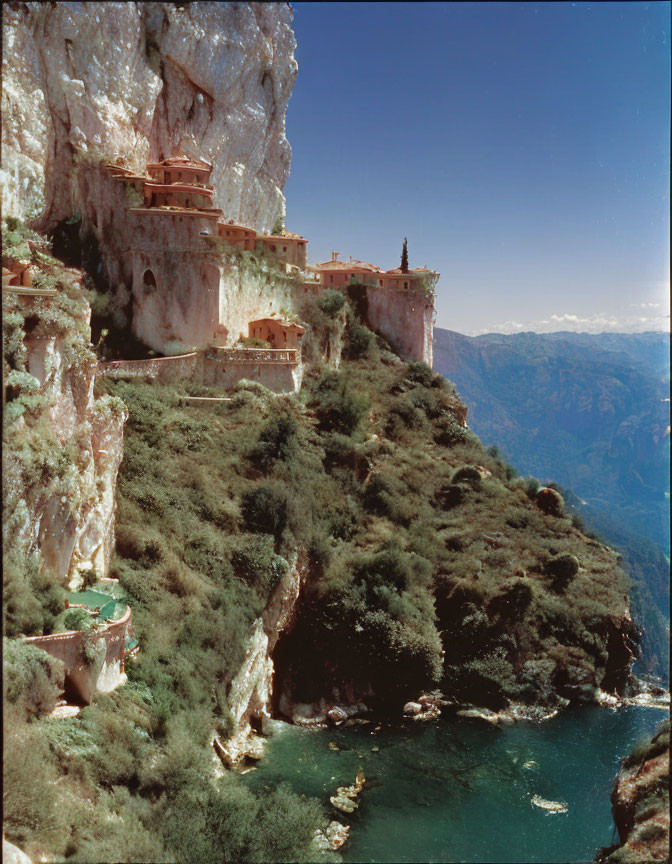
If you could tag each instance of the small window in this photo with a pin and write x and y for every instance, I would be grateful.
(405, 284)
(284, 248)
(331, 278)
(273, 249)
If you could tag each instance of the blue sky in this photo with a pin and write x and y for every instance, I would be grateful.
(522, 148)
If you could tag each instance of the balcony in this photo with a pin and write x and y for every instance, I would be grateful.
(275, 356)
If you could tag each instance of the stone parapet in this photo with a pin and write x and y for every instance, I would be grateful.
(86, 675)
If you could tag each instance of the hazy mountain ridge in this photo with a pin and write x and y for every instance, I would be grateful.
(585, 410)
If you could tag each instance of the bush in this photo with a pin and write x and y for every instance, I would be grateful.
(550, 501)
(468, 475)
(449, 433)
(264, 510)
(359, 341)
(420, 373)
(450, 495)
(338, 408)
(73, 619)
(254, 560)
(277, 441)
(32, 679)
(563, 568)
(331, 302)
(28, 793)
(32, 598)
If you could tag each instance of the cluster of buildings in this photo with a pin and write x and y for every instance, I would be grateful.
(183, 296)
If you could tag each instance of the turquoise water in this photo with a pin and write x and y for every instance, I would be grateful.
(457, 790)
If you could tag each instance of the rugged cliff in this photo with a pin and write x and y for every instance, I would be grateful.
(61, 444)
(141, 80)
(641, 803)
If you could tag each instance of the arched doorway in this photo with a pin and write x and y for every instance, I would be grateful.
(149, 281)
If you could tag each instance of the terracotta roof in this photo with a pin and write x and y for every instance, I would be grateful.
(288, 325)
(397, 270)
(285, 236)
(347, 265)
(186, 161)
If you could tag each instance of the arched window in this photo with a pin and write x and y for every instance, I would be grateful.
(149, 281)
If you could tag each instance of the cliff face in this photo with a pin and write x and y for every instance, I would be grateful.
(141, 80)
(252, 688)
(641, 804)
(62, 446)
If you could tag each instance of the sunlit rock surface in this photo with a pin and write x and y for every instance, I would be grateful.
(66, 512)
(142, 80)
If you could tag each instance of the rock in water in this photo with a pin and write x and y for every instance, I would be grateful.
(551, 806)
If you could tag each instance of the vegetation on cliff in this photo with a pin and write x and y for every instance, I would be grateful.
(430, 564)
(641, 803)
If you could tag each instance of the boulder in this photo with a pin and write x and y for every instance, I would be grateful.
(412, 708)
(337, 714)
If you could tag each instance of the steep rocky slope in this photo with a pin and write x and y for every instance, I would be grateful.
(641, 804)
(61, 444)
(140, 80)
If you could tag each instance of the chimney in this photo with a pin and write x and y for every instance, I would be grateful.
(334, 255)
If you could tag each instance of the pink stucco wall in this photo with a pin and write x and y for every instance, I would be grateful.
(81, 677)
(405, 319)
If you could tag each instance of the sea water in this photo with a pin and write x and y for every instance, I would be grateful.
(460, 790)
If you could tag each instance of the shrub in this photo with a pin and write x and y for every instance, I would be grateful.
(264, 510)
(32, 679)
(449, 433)
(73, 619)
(468, 475)
(338, 408)
(28, 793)
(277, 441)
(531, 488)
(550, 501)
(331, 302)
(359, 341)
(563, 568)
(32, 598)
(420, 373)
(450, 495)
(254, 560)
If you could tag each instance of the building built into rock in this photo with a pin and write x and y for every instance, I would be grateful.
(201, 282)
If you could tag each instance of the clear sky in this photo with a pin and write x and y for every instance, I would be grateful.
(522, 148)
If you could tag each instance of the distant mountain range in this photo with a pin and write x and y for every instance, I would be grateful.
(589, 412)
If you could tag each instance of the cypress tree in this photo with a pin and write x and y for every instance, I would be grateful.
(404, 256)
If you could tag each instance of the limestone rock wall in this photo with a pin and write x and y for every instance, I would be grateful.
(61, 458)
(140, 80)
(252, 688)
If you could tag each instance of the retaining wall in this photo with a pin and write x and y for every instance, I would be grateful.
(278, 369)
(82, 678)
(183, 367)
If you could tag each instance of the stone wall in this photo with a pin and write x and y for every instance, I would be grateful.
(279, 370)
(405, 318)
(84, 677)
(223, 369)
(167, 370)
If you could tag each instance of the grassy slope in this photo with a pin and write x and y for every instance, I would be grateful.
(359, 472)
